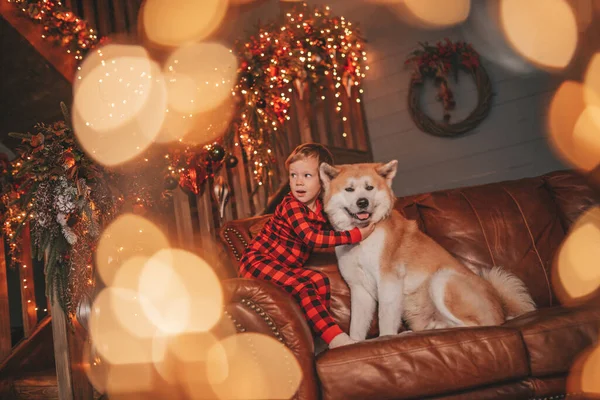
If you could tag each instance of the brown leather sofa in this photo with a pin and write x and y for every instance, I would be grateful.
(516, 224)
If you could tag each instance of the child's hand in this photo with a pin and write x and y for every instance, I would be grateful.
(366, 231)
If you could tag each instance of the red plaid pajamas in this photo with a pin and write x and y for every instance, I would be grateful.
(278, 253)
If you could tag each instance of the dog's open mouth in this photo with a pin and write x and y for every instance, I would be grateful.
(361, 216)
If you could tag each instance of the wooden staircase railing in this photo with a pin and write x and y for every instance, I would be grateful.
(196, 218)
(29, 307)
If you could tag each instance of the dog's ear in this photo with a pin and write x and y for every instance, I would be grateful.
(327, 173)
(388, 171)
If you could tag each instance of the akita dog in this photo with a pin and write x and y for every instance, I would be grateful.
(405, 271)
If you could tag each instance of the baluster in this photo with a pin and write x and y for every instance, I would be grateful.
(73, 6)
(233, 181)
(120, 18)
(104, 25)
(27, 284)
(131, 10)
(183, 219)
(208, 214)
(89, 13)
(5, 338)
(240, 185)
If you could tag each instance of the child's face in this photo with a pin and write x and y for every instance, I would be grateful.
(304, 180)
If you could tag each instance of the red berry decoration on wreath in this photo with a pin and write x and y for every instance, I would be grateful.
(437, 62)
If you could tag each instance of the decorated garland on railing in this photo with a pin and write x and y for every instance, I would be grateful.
(61, 25)
(438, 62)
(68, 199)
(308, 50)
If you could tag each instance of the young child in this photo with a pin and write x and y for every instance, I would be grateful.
(278, 253)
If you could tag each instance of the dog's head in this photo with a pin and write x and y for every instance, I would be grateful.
(357, 194)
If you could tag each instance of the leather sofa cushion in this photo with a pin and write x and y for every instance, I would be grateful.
(555, 336)
(422, 364)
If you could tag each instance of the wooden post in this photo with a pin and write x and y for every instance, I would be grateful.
(5, 340)
(26, 283)
(72, 381)
(61, 351)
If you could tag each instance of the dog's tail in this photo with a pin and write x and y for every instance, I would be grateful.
(513, 293)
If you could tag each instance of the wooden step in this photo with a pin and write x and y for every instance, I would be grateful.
(36, 385)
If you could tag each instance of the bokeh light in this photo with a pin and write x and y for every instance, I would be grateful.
(543, 31)
(483, 31)
(574, 127)
(175, 126)
(175, 22)
(200, 76)
(584, 374)
(119, 96)
(592, 81)
(205, 127)
(253, 366)
(439, 13)
(183, 292)
(129, 235)
(114, 342)
(577, 274)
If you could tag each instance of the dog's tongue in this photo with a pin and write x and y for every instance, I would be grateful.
(362, 215)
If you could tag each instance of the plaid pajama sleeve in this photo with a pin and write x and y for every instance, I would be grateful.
(314, 237)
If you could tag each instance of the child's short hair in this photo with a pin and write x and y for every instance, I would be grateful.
(307, 150)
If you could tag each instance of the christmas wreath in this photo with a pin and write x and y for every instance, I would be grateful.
(437, 62)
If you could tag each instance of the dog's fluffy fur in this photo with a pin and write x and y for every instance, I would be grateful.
(405, 271)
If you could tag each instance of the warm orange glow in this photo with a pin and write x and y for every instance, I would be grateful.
(185, 363)
(175, 22)
(200, 76)
(253, 366)
(587, 137)
(183, 292)
(119, 97)
(210, 125)
(116, 379)
(573, 127)
(591, 372)
(578, 271)
(592, 81)
(129, 235)
(175, 127)
(113, 341)
(543, 31)
(585, 372)
(437, 13)
(127, 302)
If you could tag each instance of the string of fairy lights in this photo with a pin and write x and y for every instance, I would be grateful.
(312, 48)
(61, 25)
(312, 52)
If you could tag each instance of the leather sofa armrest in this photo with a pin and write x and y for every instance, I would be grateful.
(258, 306)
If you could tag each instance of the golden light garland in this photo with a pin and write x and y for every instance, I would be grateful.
(312, 48)
(61, 25)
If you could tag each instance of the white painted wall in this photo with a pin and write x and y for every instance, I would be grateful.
(509, 143)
